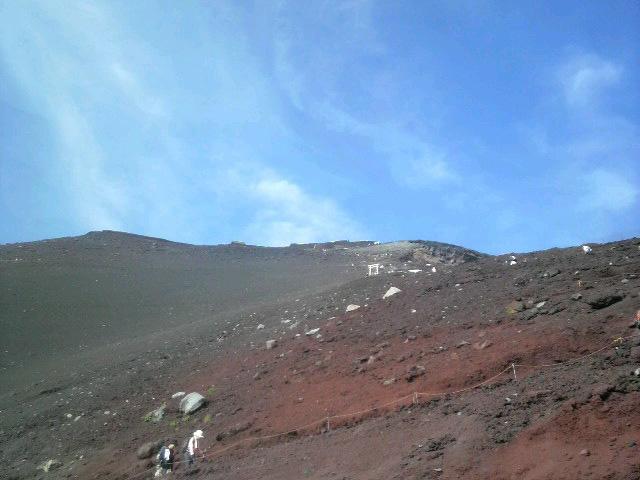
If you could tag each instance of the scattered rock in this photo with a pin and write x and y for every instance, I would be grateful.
(260, 326)
(576, 296)
(584, 452)
(551, 273)
(156, 415)
(540, 304)
(482, 345)
(50, 465)
(602, 390)
(271, 344)
(192, 402)
(390, 292)
(439, 444)
(414, 372)
(148, 449)
(237, 428)
(636, 372)
(605, 299)
(388, 382)
(313, 331)
(634, 353)
(529, 314)
(515, 307)
(352, 307)
(462, 344)
(178, 394)
(625, 280)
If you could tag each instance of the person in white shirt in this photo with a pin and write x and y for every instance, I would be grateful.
(193, 447)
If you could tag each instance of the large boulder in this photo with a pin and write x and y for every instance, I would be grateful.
(148, 449)
(192, 402)
(604, 299)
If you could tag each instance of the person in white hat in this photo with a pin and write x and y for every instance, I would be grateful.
(193, 447)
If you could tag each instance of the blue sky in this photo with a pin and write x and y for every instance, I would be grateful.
(500, 126)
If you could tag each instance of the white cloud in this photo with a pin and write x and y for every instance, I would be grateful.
(607, 191)
(287, 214)
(585, 77)
(281, 211)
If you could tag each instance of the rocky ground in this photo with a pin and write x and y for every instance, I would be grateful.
(459, 319)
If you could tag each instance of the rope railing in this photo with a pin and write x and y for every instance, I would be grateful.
(332, 420)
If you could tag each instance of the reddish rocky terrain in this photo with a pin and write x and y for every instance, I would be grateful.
(415, 386)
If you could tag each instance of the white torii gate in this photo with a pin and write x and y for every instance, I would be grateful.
(374, 268)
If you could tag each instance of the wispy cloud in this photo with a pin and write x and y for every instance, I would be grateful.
(75, 65)
(51, 55)
(311, 77)
(585, 77)
(607, 191)
(413, 162)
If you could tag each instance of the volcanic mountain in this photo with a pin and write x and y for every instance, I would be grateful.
(447, 364)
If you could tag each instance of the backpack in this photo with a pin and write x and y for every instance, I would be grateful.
(185, 445)
(161, 453)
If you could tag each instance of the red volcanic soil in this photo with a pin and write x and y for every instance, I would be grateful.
(341, 403)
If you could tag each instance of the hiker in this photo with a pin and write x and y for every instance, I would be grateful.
(165, 460)
(193, 447)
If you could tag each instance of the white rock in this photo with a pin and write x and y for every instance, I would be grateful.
(50, 465)
(415, 270)
(413, 310)
(260, 326)
(192, 402)
(271, 344)
(513, 262)
(637, 372)
(178, 394)
(540, 304)
(351, 307)
(586, 249)
(433, 269)
(313, 331)
(391, 291)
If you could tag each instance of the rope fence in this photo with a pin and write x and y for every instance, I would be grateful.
(335, 421)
